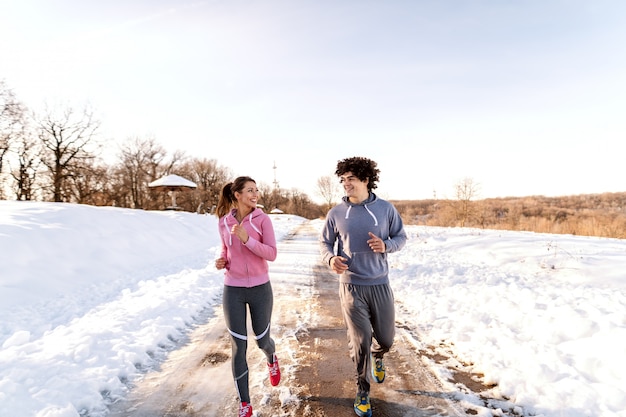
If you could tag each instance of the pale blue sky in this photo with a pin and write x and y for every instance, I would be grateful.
(524, 97)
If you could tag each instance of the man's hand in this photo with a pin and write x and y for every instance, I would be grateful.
(338, 264)
(376, 243)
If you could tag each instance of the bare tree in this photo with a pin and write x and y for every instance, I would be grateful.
(328, 188)
(27, 150)
(209, 177)
(90, 185)
(141, 162)
(301, 205)
(465, 190)
(69, 142)
(269, 196)
(12, 124)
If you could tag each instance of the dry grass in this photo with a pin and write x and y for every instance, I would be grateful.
(602, 215)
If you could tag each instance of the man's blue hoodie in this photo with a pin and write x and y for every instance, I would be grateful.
(348, 224)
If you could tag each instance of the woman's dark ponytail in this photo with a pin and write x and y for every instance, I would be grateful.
(226, 200)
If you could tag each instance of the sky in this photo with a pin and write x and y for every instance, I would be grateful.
(92, 298)
(522, 97)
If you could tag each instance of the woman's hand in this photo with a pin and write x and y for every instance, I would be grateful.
(239, 231)
(220, 263)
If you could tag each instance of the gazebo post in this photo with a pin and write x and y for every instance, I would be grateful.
(173, 192)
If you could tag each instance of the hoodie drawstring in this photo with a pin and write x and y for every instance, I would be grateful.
(253, 226)
(371, 214)
(366, 208)
(230, 236)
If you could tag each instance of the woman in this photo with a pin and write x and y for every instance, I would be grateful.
(248, 242)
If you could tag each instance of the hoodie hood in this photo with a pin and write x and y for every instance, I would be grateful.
(230, 220)
(371, 199)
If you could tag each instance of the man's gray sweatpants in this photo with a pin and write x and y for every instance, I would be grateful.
(369, 313)
(260, 301)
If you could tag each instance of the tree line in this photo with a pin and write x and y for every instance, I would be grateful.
(56, 156)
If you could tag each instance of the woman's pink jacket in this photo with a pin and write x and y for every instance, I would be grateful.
(246, 265)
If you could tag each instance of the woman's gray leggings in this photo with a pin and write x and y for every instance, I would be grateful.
(259, 300)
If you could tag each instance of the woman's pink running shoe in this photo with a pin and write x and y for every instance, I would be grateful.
(274, 371)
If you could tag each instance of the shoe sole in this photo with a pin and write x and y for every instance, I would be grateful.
(362, 414)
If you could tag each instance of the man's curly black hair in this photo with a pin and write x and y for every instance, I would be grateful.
(362, 168)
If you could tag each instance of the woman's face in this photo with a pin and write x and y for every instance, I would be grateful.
(248, 197)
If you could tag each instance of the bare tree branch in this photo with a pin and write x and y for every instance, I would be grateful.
(69, 141)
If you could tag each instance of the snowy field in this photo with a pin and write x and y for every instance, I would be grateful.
(92, 297)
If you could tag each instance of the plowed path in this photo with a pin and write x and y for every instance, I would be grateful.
(318, 377)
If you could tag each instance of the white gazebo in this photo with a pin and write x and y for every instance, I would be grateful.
(172, 184)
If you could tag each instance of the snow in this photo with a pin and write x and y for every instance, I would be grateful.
(172, 181)
(92, 297)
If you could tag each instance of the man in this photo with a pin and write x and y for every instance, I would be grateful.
(364, 229)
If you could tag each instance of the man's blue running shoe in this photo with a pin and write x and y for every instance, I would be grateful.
(362, 406)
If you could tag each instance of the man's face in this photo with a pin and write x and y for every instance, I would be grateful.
(353, 186)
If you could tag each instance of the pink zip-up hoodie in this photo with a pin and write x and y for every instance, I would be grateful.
(246, 265)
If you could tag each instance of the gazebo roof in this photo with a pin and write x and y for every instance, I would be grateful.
(173, 181)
